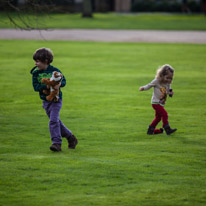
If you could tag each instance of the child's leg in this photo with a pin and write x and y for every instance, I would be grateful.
(151, 130)
(71, 139)
(158, 115)
(52, 109)
(164, 116)
(65, 132)
(166, 123)
(158, 131)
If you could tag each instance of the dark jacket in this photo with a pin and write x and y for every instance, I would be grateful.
(38, 75)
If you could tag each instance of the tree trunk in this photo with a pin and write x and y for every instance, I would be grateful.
(87, 9)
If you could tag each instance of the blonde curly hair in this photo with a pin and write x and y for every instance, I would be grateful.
(163, 71)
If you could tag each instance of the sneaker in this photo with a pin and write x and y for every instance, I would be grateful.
(169, 130)
(72, 142)
(150, 130)
(56, 148)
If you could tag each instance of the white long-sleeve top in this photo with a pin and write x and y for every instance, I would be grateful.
(160, 91)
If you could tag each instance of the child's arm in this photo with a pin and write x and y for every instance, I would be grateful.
(63, 82)
(148, 86)
(170, 91)
(36, 85)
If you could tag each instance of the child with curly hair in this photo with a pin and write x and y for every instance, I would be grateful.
(161, 88)
(43, 57)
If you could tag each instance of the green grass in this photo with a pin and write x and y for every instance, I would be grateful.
(115, 163)
(156, 21)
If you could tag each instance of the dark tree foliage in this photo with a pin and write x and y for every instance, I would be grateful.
(16, 11)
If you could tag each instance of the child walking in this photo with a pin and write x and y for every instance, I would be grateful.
(161, 88)
(43, 57)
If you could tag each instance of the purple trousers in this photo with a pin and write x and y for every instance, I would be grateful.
(56, 127)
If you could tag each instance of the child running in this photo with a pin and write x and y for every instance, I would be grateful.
(43, 57)
(161, 87)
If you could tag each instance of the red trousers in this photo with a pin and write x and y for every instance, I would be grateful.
(160, 114)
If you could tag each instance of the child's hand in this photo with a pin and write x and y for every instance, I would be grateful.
(57, 86)
(141, 89)
(171, 93)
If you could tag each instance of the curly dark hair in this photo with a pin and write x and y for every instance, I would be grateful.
(44, 55)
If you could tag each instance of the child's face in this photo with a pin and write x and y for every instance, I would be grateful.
(168, 78)
(41, 65)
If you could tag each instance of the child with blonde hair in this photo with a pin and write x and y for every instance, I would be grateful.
(161, 88)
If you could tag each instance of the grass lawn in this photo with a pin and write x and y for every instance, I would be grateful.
(156, 21)
(115, 163)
